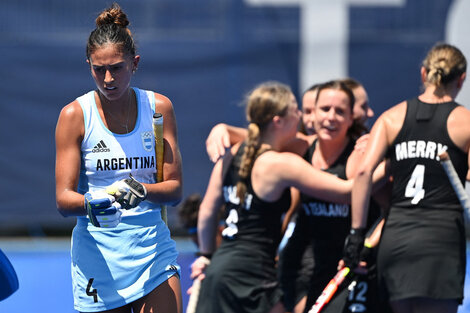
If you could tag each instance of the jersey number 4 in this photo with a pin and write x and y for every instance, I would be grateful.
(91, 292)
(414, 188)
(231, 230)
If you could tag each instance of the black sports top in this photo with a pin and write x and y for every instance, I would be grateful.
(327, 220)
(257, 223)
(418, 178)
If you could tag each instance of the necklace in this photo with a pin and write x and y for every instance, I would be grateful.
(116, 119)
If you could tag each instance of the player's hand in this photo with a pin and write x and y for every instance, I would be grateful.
(198, 267)
(102, 209)
(366, 255)
(217, 141)
(361, 143)
(352, 247)
(128, 192)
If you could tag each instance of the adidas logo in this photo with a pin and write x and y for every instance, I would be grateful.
(172, 268)
(100, 147)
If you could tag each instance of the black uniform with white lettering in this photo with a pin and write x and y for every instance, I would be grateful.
(242, 273)
(327, 225)
(422, 250)
(322, 227)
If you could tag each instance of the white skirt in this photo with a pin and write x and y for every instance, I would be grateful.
(112, 267)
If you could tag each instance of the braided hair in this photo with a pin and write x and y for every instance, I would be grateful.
(444, 63)
(266, 101)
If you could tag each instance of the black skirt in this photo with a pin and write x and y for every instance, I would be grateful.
(422, 254)
(239, 281)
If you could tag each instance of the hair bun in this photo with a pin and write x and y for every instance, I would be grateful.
(112, 15)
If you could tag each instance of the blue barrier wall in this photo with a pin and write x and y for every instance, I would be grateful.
(204, 55)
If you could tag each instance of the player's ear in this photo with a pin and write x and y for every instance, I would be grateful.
(135, 63)
(424, 74)
(277, 121)
(461, 80)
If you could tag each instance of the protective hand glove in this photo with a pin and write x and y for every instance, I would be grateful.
(102, 209)
(367, 255)
(128, 192)
(352, 247)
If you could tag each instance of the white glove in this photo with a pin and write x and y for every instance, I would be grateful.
(102, 209)
(128, 192)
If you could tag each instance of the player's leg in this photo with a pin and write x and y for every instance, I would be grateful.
(165, 298)
(278, 308)
(300, 306)
(122, 309)
(402, 306)
(424, 305)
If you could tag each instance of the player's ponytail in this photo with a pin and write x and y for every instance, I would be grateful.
(251, 150)
(444, 63)
(264, 102)
(112, 15)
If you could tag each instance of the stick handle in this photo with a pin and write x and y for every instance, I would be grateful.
(193, 299)
(192, 303)
(158, 133)
(454, 179)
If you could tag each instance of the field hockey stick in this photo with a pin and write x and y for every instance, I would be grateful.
(330, 290)
(194, 297)
(455, 182)
(338, 279)
(158, 133)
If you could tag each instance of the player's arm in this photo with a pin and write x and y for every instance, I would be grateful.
(292, 170)
(362, 186)
(294, 206)
(221, 137)
(299, 144)
(381, 173)
(101, 208)
(208, 217)
(68, 137)
(382, 135)
(459, 132)
(170, 190)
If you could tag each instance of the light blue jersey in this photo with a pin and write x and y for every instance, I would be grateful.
(115, 266)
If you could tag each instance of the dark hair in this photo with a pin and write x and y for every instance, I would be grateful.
(351, 83)
(358, 128)
(341, 86)
(188, 210)
(312, 88)
(111, 27)
(338, 85)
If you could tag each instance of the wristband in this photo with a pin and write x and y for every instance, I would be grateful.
(206, 255)
(357, 231)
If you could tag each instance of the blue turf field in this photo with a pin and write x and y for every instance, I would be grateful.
(43, 268)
